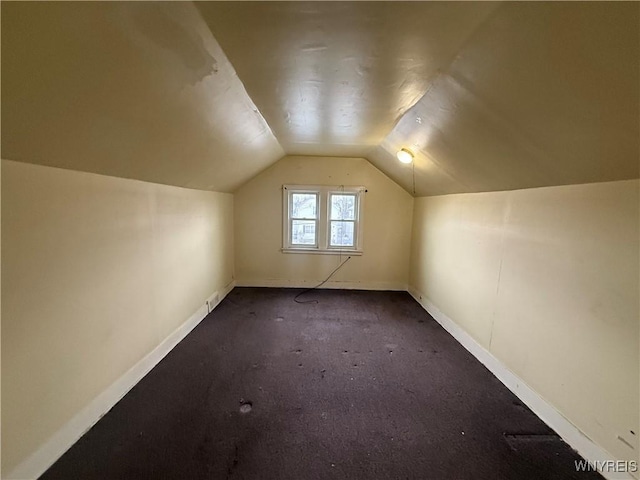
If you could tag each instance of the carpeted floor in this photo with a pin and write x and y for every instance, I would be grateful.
(360, 385)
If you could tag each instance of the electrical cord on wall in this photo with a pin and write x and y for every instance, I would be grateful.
(295, 299)
(341, 264)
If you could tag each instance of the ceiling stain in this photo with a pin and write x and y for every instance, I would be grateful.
(488, 95)
(185, 44)
(134, 90)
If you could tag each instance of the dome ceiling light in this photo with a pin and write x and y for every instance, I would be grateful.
(405, 155)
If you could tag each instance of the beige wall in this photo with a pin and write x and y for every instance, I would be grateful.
(386, 222)
(97, 272)
(547, 280)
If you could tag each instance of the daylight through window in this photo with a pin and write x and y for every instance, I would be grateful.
(304, 218)
(321, 219)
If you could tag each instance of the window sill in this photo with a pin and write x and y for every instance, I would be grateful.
(319, 251)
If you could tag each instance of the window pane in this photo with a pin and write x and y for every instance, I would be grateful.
(303, 232)
(303, 205)
(342, 234)
(343, 207)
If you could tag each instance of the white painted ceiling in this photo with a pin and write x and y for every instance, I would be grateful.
(489, 96)
(334, 77)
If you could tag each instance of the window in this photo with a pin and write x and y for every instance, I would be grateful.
(304, 218)
(320, 219)
(342, 219)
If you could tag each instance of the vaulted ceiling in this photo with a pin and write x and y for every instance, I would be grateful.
(488, 96)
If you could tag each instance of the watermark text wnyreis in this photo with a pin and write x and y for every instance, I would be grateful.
(607, 466)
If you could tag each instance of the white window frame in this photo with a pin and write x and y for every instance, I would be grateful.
(290, 218)
(323, 222)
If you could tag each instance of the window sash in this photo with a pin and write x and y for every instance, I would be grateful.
(291, 240)
(316, 195)
(343, 194)
(354, 234)
(292, 231)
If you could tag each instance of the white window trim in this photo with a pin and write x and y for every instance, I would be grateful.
(323, 221)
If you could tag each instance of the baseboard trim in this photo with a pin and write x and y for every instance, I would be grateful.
(45, 456)
(337, 284)
(571, 434)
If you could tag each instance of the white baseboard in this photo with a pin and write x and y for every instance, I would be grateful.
(45, 456)
(333, 284)
(543, 409)
(39, 461)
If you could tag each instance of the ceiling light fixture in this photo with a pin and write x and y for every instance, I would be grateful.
(404, 155)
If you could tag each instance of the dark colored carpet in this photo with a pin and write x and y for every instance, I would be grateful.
(361, 385)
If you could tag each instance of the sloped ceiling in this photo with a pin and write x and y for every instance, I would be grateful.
(543, 94)
(334, 77)
(135, 90)
(489, 96)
